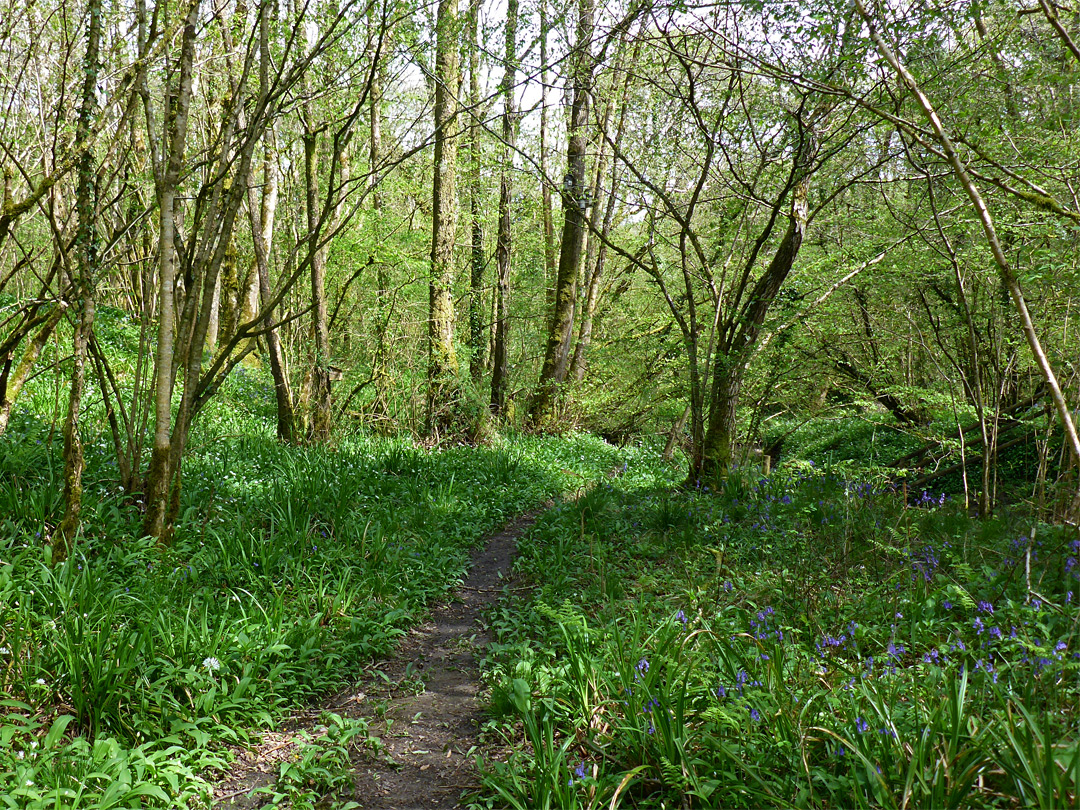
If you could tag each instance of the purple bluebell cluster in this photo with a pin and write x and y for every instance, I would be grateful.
(924, 562)
(760, 626)
(579, 773)
(929, 499)
(642, 667)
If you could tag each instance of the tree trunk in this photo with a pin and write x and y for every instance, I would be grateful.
(733, 357)
(675, 434)
(596, 253)
(442, 391)
(500, 366)
(283, 396)
(85, 291)
(556, 357)
(477, 339)
(545, 187)
(248, 304)
(320, 370)
(229, 294)
(214, 327)
(380, 377)
(159, 475)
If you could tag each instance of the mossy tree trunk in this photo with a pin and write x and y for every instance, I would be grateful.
(442, 393)
(561, 325)
(85, 288)
(500, 360)
(477, 339)
(733, 354)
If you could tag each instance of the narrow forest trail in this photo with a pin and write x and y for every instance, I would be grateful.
(430, 733)
(434, 733)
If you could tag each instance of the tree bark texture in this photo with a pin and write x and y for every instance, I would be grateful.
(442, 391)
(500, 361)
(560, 330)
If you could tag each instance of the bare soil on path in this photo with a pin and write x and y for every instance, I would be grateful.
(423, 702)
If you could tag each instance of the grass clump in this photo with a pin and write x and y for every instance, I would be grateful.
(125, 670)
(794, 641)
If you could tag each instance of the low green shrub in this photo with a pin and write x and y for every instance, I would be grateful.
(800, 640)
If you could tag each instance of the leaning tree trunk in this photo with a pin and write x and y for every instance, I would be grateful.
(1005, 270)
(501, 366)
(561, 326)
(442, 393)
(733, 356)
(11, 386)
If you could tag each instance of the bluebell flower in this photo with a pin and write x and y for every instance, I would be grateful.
(642, 666)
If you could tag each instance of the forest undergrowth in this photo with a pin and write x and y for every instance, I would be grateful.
(127, 670)
(802, 640)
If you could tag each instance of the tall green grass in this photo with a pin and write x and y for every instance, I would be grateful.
(125, 670)
(797, 641)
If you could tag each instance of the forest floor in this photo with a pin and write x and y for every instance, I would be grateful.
(423, 702)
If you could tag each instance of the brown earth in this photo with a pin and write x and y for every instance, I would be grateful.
(423, 702)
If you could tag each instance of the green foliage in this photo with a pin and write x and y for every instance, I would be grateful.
(800, 640)
(290, 567)
(321, 767)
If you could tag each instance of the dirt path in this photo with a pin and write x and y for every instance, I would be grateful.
(434, 733)
(430, 694)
